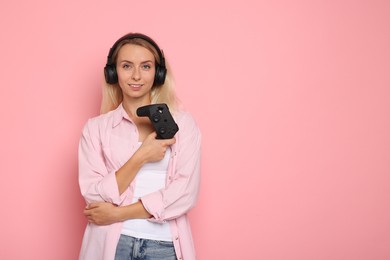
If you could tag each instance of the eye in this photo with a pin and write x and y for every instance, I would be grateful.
(126, 66)
(146, 66)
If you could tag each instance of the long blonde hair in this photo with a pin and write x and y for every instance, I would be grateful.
(112, 94)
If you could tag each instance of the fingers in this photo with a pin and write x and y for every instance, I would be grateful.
(152, 135)
(170, 141)
(164, 142)
(88, 213)
(91, 206)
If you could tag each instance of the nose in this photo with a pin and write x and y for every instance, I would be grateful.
(136, 75)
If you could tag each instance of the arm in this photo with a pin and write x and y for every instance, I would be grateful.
(181, 193)
(103, 213)
(96, 183)
(151, 150)
(175, 200)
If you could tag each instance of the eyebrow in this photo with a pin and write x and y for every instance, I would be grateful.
(133, 62)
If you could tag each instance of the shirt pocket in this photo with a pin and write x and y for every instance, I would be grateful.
(117, 152)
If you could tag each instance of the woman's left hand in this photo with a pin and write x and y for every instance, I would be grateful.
(102, 213)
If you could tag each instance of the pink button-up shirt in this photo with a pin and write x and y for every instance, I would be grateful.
(107, 142)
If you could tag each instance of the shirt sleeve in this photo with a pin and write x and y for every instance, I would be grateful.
(96, 183)
(181, 193)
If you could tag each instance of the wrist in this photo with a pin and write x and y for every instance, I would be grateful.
(133, 211)
(139, 158)
(121, 214)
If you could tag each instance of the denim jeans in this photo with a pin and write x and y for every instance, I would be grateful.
(131, 248)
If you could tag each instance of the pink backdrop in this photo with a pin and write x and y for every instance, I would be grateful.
(293, 99)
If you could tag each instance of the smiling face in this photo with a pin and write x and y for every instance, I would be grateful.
(135, 66)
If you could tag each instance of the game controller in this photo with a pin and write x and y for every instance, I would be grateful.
(162, 120)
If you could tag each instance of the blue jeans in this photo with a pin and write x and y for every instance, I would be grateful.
(131, 248)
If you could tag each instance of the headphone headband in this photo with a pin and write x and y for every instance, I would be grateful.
(110, 73)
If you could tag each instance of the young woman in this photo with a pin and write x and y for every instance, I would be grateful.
(138, 188)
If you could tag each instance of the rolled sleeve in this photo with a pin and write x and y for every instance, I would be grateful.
(96, 183)
(180, 195)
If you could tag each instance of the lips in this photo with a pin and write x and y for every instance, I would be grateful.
(135, 86)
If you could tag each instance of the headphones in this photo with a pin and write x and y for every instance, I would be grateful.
(110, 73)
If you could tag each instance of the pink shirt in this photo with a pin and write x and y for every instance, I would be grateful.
(107, 142)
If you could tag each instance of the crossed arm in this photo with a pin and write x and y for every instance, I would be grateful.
(105, 213)
(105, 192)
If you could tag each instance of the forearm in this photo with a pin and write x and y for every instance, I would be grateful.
(133, 211)
(126, 174)
(181, 192)
(103, 213)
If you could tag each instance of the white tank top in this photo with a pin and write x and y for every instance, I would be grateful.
(150, 178)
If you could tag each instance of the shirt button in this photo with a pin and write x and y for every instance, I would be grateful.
(177, 238)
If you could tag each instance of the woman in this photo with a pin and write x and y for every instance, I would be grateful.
(138, 188)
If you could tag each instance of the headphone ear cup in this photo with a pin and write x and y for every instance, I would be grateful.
(110, 74)
(159, 77)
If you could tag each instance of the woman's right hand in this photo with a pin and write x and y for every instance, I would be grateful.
(102, 213)
(152, 149)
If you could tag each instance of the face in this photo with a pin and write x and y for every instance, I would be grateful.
(135, 67)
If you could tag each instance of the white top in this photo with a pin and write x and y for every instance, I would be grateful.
(150, 178)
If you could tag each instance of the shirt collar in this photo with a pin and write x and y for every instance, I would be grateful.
(119, 114)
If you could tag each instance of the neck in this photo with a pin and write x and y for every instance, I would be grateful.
(131, 106)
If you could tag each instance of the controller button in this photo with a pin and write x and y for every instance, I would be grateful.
(156, 118)
(161, 130)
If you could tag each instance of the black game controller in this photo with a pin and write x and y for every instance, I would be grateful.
(161, 119)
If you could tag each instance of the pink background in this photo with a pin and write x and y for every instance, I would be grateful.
(293, 99)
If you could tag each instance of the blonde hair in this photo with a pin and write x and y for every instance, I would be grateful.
(112, 94)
